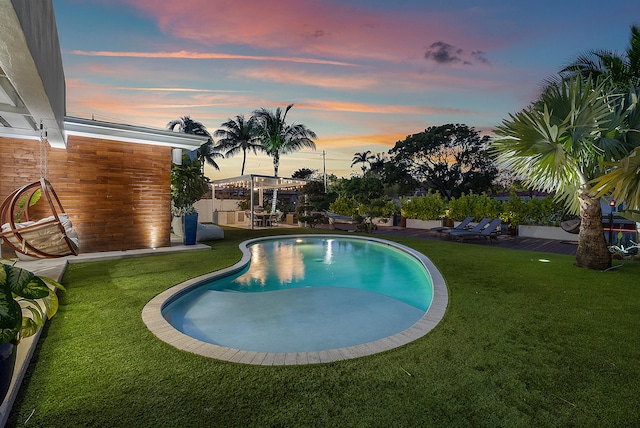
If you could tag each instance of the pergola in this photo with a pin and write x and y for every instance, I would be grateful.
(256, 182)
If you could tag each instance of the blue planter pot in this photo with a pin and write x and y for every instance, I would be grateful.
(190, 223)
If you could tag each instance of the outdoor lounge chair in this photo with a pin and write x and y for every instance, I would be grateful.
(489, 231)
(477, 228)
(461, 226)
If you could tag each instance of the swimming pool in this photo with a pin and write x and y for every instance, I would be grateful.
(309, 298)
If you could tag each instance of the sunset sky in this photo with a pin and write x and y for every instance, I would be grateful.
(362, 74)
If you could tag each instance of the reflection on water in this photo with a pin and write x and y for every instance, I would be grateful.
(283, 261)
(321, 262)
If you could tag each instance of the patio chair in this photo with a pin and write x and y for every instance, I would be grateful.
(477, 228)
(274, 218)
(462, 226)
(490, 231)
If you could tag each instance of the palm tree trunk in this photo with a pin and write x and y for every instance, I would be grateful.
(244, 159)
(592, 252)
(276, 164)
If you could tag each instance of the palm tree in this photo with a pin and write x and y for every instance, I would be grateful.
(238, 135)
(623, 70)
(622, 182)
(277, 138)
(364, 158)
(561, 143)
(208, 151)
(377, 164)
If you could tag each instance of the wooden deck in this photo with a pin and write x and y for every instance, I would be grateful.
(503, 241)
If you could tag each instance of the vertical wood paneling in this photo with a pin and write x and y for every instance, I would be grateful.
(117, 194)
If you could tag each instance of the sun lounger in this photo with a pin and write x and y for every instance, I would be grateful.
(461, 226)
(489, 231)
(477, 228)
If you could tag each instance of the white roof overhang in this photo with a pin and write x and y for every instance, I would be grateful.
(32, 87)
(131, 134)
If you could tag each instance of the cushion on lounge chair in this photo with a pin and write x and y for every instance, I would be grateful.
(489, 231)
(477, 228)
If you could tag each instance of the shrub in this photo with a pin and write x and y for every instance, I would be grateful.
(428, 207)
(534, 211)
(344, 206)
(514, 211)
(477, 206)
(544, 212)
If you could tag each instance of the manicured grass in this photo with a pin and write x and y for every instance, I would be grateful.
(523, 343)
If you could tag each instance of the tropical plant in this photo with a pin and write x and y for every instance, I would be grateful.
(378, 163)
(621, 69)
(363, 158)
(208, 151)
(622, 182)
(561, 143)
(278, 138)
(238, 135)
(304, 173)
(188, 185)
(26, 301)
(29, 200)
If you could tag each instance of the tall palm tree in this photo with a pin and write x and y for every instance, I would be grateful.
(238, 135)
(364, 158)
(208, 151)
(277, 138)
(622, 69)
(561, 143)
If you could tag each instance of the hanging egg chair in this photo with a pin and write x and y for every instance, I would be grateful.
(48, 236)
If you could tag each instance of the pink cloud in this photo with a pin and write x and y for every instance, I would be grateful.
(327, 29)
(204, 55)
(380, 109)
(301, 77)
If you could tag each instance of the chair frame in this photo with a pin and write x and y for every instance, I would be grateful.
(7, 210)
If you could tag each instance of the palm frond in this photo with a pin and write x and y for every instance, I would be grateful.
(623, 181)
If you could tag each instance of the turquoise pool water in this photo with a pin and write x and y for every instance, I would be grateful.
(307, 294)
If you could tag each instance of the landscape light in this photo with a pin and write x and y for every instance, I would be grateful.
(612, 203)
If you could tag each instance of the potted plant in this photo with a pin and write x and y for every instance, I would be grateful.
(188, 185)
(26, 302)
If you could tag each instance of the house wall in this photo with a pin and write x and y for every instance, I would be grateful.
(117, 194)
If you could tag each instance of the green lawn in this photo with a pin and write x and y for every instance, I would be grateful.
(523, 343)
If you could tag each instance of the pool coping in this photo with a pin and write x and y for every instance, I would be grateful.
(160, 327)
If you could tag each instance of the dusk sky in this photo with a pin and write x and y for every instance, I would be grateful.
(362, 74)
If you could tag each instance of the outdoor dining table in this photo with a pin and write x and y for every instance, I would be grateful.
(263, 218)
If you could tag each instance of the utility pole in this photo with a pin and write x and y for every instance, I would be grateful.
(324, 169)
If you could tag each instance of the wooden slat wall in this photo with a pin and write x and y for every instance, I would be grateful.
(117, 194)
